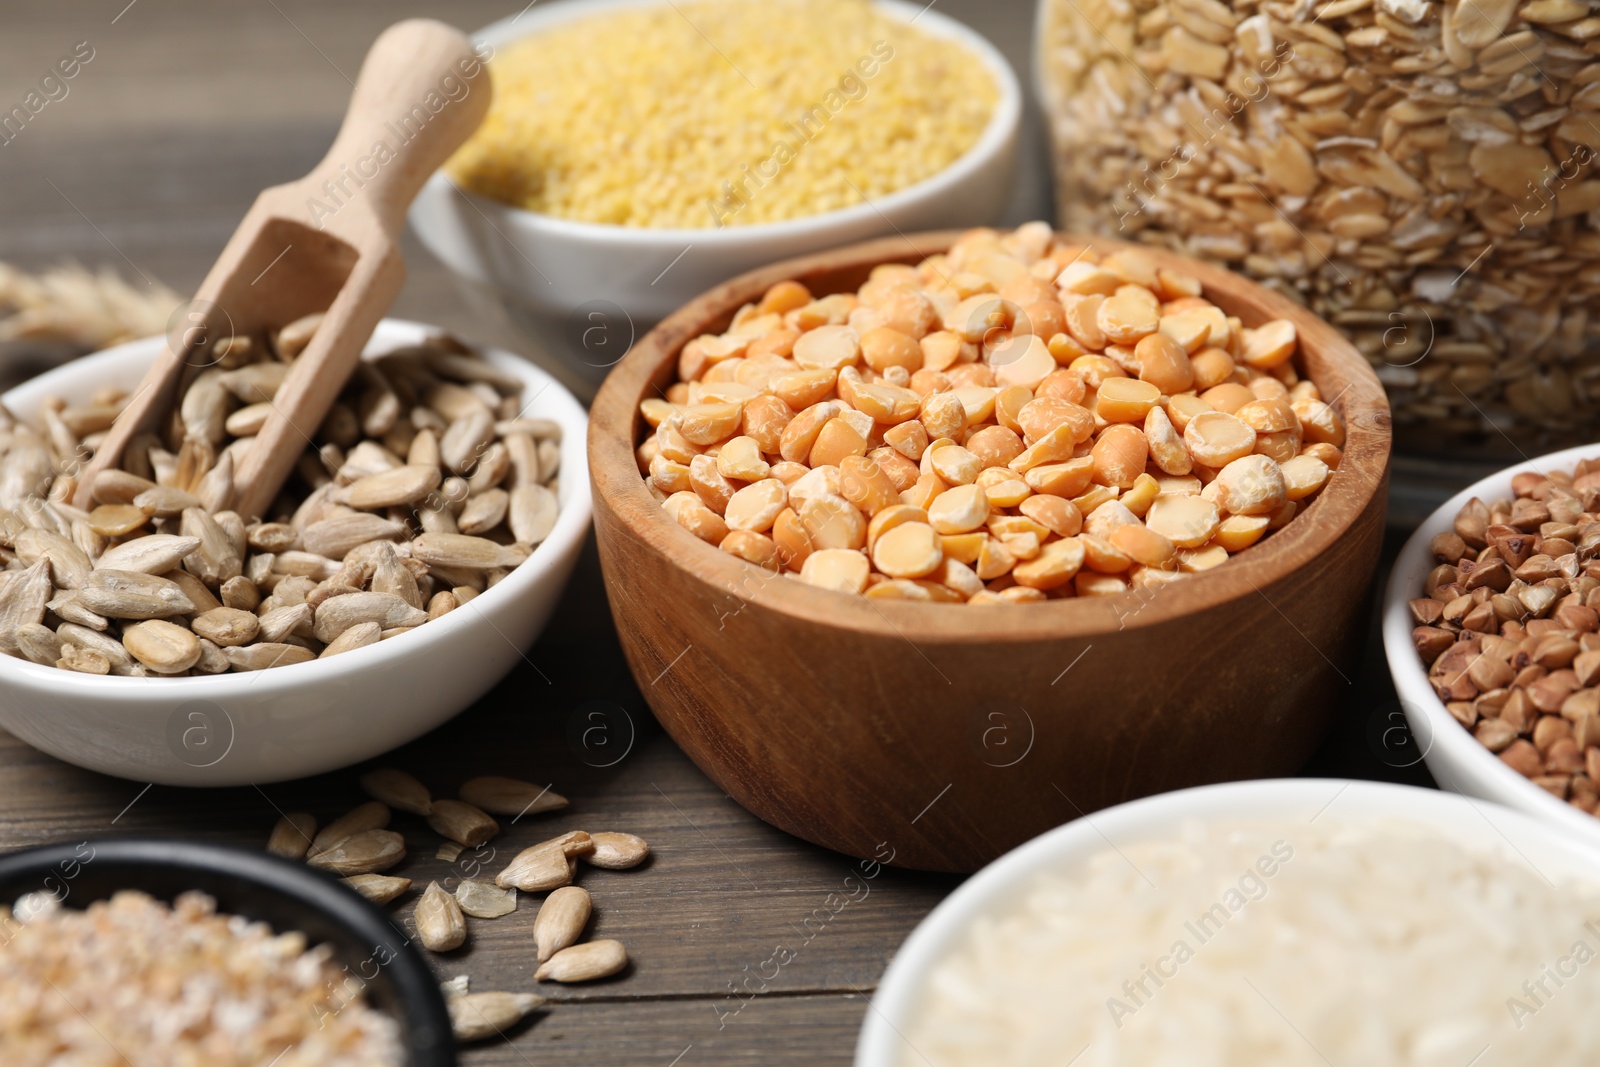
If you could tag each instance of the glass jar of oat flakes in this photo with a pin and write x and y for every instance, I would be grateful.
(1421, 173)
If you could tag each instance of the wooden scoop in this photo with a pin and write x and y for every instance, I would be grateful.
(328, 242)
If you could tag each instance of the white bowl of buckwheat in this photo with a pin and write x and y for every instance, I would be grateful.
(1501, 689)
(411, 561)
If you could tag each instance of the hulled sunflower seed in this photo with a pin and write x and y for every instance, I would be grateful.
(440, 924)
(460, 550)
(397, 789)
(120, 487)
(367, 852)
(483, 512)
(485, 900)
(212, 659)
(216, 558)
(475, 1016)
(536, 870)
(151, 554)
(69, 564)
(373, 815)
(293, 338)
(22, 601)
(378, 888)
(508, 796)
(84, 660)
(360, 635)
(389, 575)
(333, 537)
(93, 640)
(291, 836)
(116, 520)
(584, 963)
(164, 647)
(462, 823)
(337, 615)
(392, 488)
(39, 643)
(132, 595)
(227, 627)
(279, 623)
(260, 657)
(561, 919)
(67, 608)
(534, 511)
(617, 852)
(165, 502)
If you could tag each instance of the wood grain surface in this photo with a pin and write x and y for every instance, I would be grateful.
(189, 109)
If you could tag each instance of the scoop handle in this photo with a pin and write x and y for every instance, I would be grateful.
(421, 92)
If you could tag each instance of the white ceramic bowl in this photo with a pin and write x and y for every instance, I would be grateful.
(995, 888)
(1455, 758)
(307, 718)
(584, 291)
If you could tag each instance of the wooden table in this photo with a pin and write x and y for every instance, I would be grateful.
(188, 108)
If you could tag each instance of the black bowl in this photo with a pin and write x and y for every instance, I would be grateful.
(257, 886)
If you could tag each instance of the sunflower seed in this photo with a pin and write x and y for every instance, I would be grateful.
(378, 888)
(291, 836)
(483, 512)
(333, 537)
(475, 1016)
(389, 575)
(561, 919)
(212, 659)
(22, 601)
(151, 554)
(366, 852)
(260, 657)
(485, 900)
(293, 338)
(466, 439)
(216, 559)
(193, 588)
(120, 487)
(205, 406)
(508, 796)
(84, 660)
(279, 623)
(440, 924)
(69, 564)
(132, 595)
(534, 511)
(94, 641)
(39, 643)
(227, 626)
(462, 823)
(449, 852)
(360, 635)
(459, 550)
(535, 870)
(584, 963)
(164, 647)
(257, 383)
(372, 815)
(397, 789)
(399, 486)
(617, 852)
(68, 608)
(164, 501)
(337, 615)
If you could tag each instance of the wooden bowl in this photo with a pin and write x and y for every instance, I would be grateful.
(942, 735)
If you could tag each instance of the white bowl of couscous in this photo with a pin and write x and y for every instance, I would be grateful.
(599, 196)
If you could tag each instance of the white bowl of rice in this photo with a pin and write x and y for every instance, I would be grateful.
(1284, 923)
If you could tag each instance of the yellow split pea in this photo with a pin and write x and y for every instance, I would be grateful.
(723, 113)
